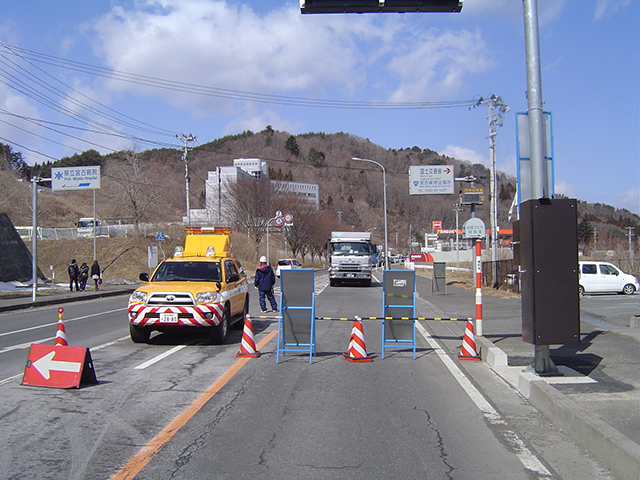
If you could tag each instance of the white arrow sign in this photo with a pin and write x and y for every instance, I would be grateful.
(45, 364)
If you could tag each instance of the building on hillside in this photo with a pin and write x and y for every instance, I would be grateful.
(219, 180)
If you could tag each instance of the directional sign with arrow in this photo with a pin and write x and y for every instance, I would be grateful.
(59, 367)
(431, 179)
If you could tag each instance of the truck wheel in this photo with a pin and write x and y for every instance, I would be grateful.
(219, 332)
(139, 334)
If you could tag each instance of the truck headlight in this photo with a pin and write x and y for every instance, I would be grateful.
(206, 297)
(138, 297)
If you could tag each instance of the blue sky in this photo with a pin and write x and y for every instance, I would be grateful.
(590, 79)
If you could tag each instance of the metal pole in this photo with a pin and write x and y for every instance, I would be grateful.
(384, 193)
(494, 202)
(534, 99)
(34, 236)
(95, 224)
(542, 356)
(185, 156)
(268, 259)
(478, 271)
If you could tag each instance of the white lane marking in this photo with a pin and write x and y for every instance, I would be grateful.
(104, 345)
(56, 322)
(24, 345)
(148, 363)
(526, 456)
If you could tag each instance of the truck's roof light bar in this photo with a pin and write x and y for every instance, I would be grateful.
(207, 230)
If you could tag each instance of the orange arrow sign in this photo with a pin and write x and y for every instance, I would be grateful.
(58, 366)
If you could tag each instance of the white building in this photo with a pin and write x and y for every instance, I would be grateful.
(218, 181)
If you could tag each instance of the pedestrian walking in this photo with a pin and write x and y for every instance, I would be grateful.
(96, 274)
(84, 275)
(264, 281)
(73, 271)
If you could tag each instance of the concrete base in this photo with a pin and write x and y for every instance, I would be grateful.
(607, 444)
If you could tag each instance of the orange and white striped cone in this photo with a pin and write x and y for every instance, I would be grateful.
(61, 335)
(248, 344)
(469, 351)
(357, 351)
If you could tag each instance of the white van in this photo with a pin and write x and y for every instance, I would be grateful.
(605, 277)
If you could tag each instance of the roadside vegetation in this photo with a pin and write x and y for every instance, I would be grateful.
(148, 187)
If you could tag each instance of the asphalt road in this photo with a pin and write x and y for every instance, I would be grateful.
(391, 418)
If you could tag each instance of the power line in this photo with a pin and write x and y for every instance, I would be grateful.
(230, 94)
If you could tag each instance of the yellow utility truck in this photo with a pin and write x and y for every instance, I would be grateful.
(202, 287)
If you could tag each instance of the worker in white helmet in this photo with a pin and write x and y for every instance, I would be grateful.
(264, 281)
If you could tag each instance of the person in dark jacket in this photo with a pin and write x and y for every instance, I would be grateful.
(74, 272)
(95, 274)
(84, 275)
(264, 281)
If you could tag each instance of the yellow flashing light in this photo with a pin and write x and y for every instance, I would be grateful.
(207, 230)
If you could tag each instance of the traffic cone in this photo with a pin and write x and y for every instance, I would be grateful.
(248, 344)
(357, 351)
(61, 335)
(468, 351)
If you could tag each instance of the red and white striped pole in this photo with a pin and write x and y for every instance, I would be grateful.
(478, 288)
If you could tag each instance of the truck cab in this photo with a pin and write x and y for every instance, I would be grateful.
(351, 257)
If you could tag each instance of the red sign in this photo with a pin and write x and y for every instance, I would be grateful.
(421, 257)
(437, 224)
(58, 366)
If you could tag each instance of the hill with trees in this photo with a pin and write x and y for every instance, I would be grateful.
(149, 186)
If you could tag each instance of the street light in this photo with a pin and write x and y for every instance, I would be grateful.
(384, 185)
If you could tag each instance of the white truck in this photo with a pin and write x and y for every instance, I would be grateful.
(350, 258)
(86, 226)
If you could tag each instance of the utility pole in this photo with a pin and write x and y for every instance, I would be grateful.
(457, 208)
(186, 137)
(630, 234)
(495, 103)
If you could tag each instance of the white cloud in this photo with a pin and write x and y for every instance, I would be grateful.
(566, 189)
(257, 122)
(463, 153)
(608, 7)
(437, 65)
(630, 200)
(222, 44)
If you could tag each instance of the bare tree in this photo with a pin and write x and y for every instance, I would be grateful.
(250, 204)
(135, 189)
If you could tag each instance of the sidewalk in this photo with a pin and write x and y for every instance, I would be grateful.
(51, 296)
(596, 401)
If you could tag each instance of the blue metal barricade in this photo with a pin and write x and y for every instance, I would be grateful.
(398, 310)
(297, 319)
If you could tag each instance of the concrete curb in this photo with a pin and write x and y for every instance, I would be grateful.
(53, 299)
(608, 445)
(611, 447)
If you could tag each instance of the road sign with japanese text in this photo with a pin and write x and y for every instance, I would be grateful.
(75, 178)
(430, 179)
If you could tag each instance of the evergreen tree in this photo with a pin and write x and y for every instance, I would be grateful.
(292, 145)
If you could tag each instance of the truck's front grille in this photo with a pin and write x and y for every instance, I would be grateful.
(168, 299)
